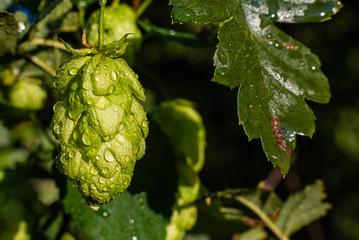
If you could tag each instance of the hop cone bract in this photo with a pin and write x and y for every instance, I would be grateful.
(100, 125)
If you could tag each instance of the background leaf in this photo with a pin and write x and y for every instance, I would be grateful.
(127, 217)
(201, 11)
(302, 208)
(8, 33)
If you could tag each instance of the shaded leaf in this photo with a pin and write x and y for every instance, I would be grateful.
(183, 124)
(8, 33)
(302, 208)
(127, 217)
(51, 18)
(202, 11)
(256, 233)
(184, 127)
(187, 39)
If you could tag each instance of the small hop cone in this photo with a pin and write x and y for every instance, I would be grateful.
(100, 125)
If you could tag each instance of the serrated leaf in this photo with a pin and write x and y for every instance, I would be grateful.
(302, 11)
(202, 11)
(127, 217)
(8, 33)
(302, 208)
(276, 74)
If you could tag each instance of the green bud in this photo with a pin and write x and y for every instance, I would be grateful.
(100, 125)
(118, 21)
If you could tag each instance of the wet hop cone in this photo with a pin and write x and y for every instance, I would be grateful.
(100, 125)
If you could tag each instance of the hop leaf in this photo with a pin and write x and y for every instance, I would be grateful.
(100, 125)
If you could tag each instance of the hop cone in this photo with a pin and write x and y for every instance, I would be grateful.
(100, 125)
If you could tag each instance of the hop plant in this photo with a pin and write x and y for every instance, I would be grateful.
(119, 20)
(100, 125)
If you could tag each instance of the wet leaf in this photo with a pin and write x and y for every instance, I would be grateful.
(127, 217)
(202, 11)
(275, 73)
(8, 33)
(302, 208)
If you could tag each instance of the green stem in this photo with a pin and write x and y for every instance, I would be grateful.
(143, 7)
(43, 42)
(41, 64)
(262, 216)
(101, 23)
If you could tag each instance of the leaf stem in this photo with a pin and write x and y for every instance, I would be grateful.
(101, 23)
(262, 216)
(143, 7)
(43, 42)
(41, 64)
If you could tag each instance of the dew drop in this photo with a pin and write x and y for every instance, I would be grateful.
(111, 89)
(121, 127)
(93, 171)
(83, 177)
(172, 32)
(72, 154)
(185, 13)
(131, 117)
(131, 221)
(105, 171)
(86, 85)
(56, 83)
(108, 155)
(103, 232)
(322, 14)
(97, 78)
(114, 76)
(105, 214)
(102, 180)
(93, 186)
(313, 68)
(73, 71)
(120, 139)
(220, 71)
(58, 128)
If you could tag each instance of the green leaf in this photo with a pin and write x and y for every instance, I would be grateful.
(256, 233)
(302, 208)
(276, 74)
(51, 18)
(204, 11)
(183, 124)
(187, 39)
(127, 217)
(8, 33)
(302, 11)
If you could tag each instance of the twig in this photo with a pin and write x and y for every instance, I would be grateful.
(41, 64)
(43, 42)
(135, 4)
(143, 7)
(269, 223)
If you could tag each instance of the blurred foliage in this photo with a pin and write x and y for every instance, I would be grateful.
(31, 203)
